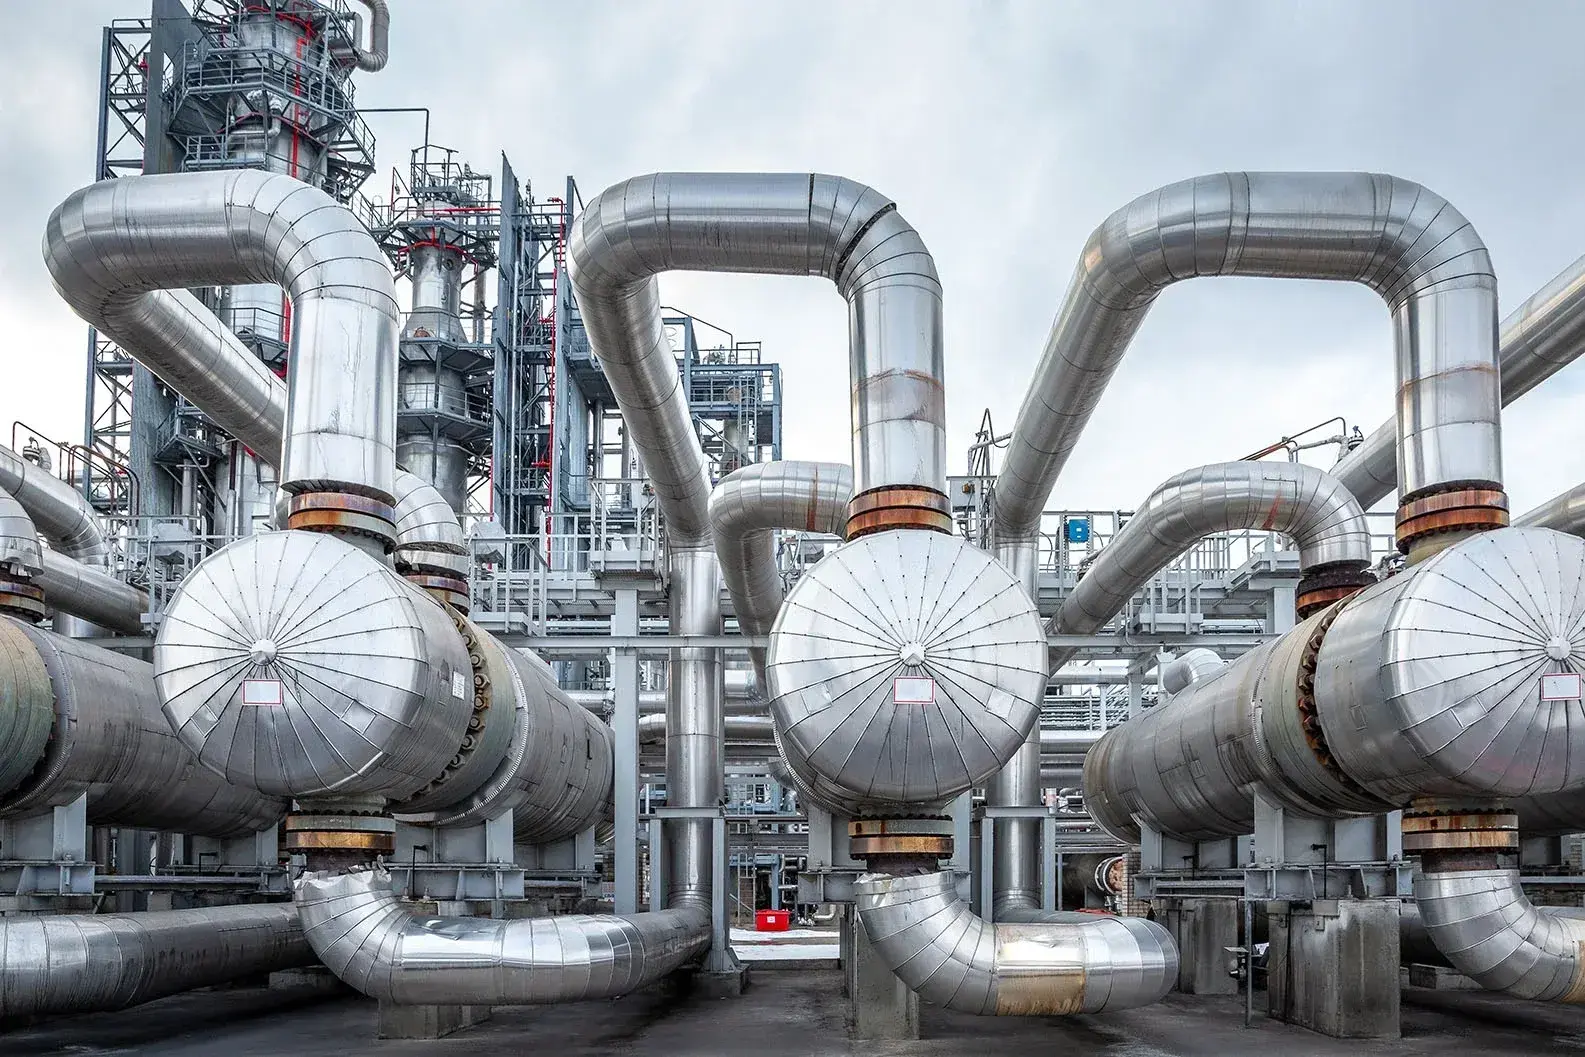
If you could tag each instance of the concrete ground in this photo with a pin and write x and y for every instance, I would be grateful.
(785, 1014)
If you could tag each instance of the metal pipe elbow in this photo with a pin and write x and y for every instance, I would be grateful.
(745, 510)
(1488, 929)
(428, 534)
(374, 58)
(944, 953)
(362, 934)
(112, 244)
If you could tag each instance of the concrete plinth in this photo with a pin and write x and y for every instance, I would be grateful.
(428, 1022)
(1334, 967)
(1440, 978)
(1203, 930)
(883, 1008)
(721, 976)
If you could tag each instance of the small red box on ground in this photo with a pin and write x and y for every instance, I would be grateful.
(772, 920)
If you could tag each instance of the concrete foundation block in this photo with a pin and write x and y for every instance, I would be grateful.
(1334, 967)
(883, 1008)
(728, 983)
(1203, 930)
(1440, 978)
(428, 1022)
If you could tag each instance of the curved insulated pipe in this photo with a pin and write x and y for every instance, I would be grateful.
(374, 58)
(745, 510)
(1400, 239)
(782, 224)
(58, 510)
(363, 935)
(112, 246)
(941, 950)
(429, 538)
(1488, 929)
(1535, 341)
(84, 964)
(1322, 516)
(68, 585)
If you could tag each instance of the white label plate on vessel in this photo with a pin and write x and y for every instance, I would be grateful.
(263, 693)
(1560, 686)
(913, 690)
(459, 685)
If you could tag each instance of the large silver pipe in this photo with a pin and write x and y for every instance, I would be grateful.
(1190, 667)
(84, 591)
(1535, 341)
(1015, 868)
(106, 738)
(1400, 239)
(69, 586)
(430, 543)
(1488, 929)
(77, 963)
(1564, 512)
(541, 755)
(59, 511)
(373, 58)
(1428, 683)
(188, 348)
(941, 950)
(114, 243)
(783, 224)
(363, 935)
(1322, 516)
(695, 727)
(747, 508)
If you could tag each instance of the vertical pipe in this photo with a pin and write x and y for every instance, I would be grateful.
(624, 725)
(1015, 870)
(694, 724)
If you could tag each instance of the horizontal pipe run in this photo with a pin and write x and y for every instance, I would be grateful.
(363, 935)
(83, 591)
(74, 963)
(108, 740)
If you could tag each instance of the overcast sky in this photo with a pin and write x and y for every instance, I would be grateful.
(1005, 132)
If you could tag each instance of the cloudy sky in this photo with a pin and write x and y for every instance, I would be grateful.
(1005, 132)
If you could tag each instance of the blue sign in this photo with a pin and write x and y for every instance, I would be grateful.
(1078, 529)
